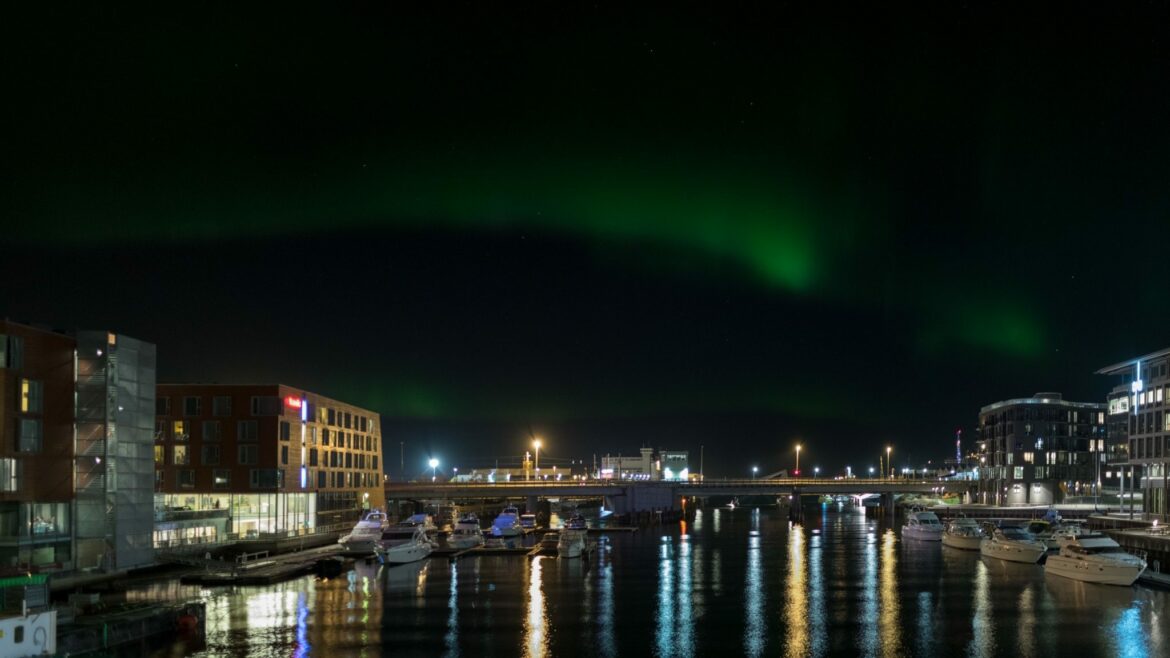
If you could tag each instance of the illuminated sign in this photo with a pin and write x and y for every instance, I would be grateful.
(293, 402)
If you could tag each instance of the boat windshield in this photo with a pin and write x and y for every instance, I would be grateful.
(1015, 533)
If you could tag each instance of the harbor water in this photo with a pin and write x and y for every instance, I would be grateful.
(730, 582)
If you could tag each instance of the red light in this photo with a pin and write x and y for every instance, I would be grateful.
(797, 472)
(293, 402)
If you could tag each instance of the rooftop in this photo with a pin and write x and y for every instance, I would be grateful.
(1125, 366)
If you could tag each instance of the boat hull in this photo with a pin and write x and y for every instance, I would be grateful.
(1025, 555)
(1092, 572)
(359, 547)
(571, 544)
(966, 543)
(404, 554)
(507, 532)
(465, 542)
(921, 534)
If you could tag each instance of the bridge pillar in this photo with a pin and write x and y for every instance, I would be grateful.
(888, 504)
(530, 506)
(795, 509)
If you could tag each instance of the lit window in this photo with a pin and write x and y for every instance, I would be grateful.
(1028, 457)
(181, 456)
(178, 430)
(30, 396)
(158, 455)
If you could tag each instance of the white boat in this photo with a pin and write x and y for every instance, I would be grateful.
(1095, 558)
(550, 540)
(365, 535)
(571, 543)
(1013, 545)
(528, 521)
(467, 533)
(922, 525)
(413, 550)
(963, 533)
(423, 520)
(507, 524)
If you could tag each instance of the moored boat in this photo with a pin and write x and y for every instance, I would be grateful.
(467, 533)
(571, 543)
(963, 533)
(1013, 545)
(412, 550)
(922, 525)
(507, 524)
(1095, 558)
(365, 535)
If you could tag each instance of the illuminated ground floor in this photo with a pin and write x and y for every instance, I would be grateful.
(209, 518)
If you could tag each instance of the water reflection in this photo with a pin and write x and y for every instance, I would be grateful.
(982, 631)
(796, 597)
(686, 622)
(302, 649)
(606, 643)
(535, 641)
(664, 635)
(869, 599)
(816, 590)
(753, 637)
(451, 639)
(890, 632)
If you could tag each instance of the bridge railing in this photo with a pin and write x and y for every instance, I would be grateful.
(713, 484)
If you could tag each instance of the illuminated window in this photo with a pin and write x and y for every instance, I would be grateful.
(221, 478)
(159, 456)
(1166, 428)
(30, 396)
(181, 458)
(1027, 457)
(178, 430)
(1160, 394)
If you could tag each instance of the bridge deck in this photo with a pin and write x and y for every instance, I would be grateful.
(594, 488)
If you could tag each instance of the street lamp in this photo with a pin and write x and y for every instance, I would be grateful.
(536, 444)
(889, 464)
(871, 471)
(754, 469)
(797, 460)
(433, 463)
(816, 471)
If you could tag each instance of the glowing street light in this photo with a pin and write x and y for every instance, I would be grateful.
(755, 469)
(871, 471)
(434, 464)
(889, 464)
(816, 471)
(797, 460)
(536, 445)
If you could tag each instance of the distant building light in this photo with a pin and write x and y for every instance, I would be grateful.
(293, 402)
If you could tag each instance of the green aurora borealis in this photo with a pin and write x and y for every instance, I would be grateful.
(799, 225)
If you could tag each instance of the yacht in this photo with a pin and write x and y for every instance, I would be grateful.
(507, 524)
(411, 550)
(423, 520)
(571, 543)
(1095, 558)
(922, 525)
(467, 533)
(1013, 545)
(550, 540)
(365, 535)
(528, 521)
(447, 517)
(963, 533)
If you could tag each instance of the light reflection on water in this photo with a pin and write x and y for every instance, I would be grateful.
(840, 584)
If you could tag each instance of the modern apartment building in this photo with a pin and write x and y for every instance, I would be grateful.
(1037, 450)
(1139, 426)
(76, 414)
(260, 461)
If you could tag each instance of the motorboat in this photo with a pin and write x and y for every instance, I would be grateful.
(365, 535)
(571, 543)
(1095, 558)
(576, 522)
(922, 525)
(964, 533)
(418, 547)
(507, 524)
(423, 520)
(398, 534)
(1013, 545)
(528, 521)
(467, 533)
(1052, 534)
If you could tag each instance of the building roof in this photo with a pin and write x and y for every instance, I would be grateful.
(1054, 401)
(1118, 368)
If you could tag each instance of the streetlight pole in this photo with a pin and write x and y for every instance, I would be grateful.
(536, 444)
(816, 471)
(889, 464)
(754, 470)
(434, 464)
(797, 460)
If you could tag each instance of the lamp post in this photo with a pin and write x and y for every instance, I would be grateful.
(536, 463)
(889, 464)
(754, 470)
(816, 471)
(797, 473)
(871, 472)
(434, 464)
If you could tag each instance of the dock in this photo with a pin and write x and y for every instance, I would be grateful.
(260, 569)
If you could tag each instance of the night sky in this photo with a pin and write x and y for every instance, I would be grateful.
(606, 226)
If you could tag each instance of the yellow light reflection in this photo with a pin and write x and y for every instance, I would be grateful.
(796, 597)
(891, 635)
(664, 627)
(1026, 639)
(535, 640)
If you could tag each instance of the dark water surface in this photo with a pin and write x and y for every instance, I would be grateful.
(732, 582)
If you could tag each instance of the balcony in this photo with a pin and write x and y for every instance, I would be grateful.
(180, 514)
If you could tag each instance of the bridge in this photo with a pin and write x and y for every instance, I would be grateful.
(627, 496)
